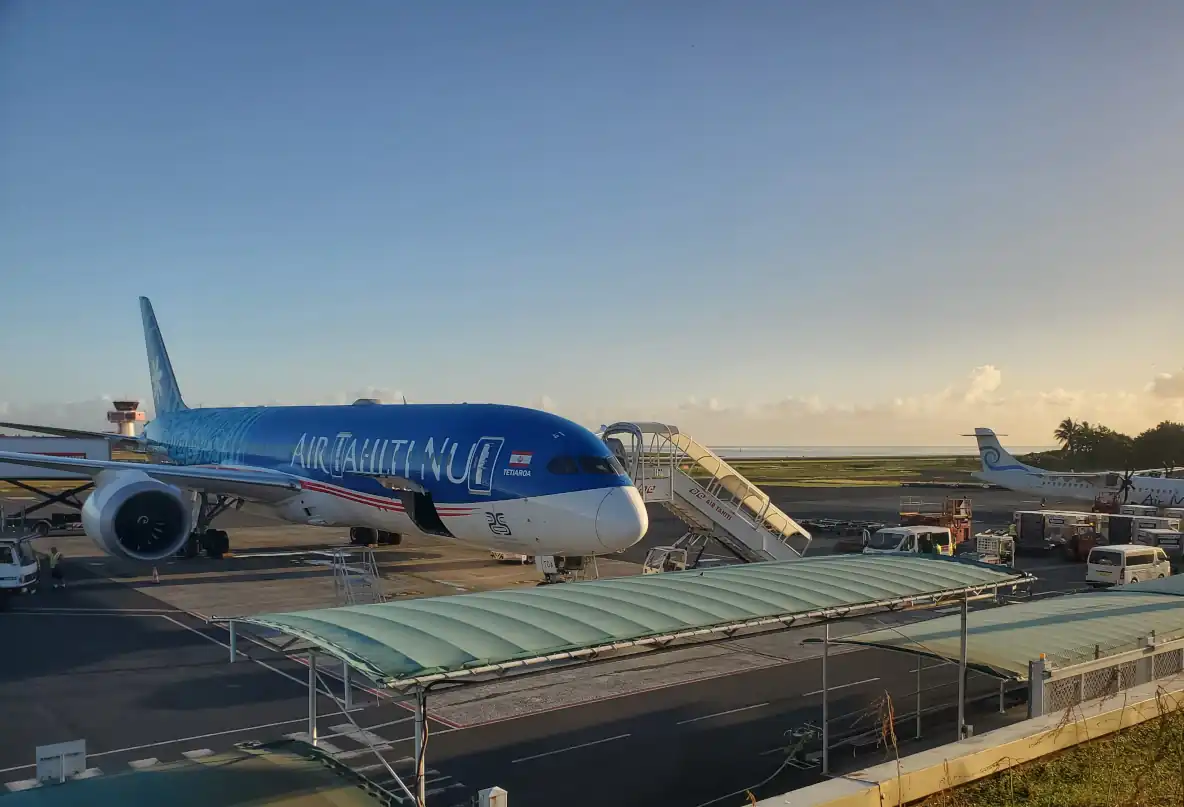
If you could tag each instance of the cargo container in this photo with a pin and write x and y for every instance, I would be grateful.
(1138, 510)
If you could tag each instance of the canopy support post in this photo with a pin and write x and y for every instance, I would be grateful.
(962, 670)
(421, 699)
(920, 664)
(825, 700)
(312, 697)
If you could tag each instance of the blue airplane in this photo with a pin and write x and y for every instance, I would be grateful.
(506, 478)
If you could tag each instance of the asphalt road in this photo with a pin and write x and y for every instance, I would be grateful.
(138, 685)
(138, 681)
(111, 666)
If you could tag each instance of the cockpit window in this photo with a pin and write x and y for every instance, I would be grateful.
(601, 465)
(563, 464)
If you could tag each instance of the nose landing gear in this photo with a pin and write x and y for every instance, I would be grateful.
(565, 569)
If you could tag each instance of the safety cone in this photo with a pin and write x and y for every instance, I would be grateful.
(155, 575)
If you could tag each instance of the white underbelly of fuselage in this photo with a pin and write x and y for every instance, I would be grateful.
(510, 525)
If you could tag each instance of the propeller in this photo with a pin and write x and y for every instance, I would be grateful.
(1125, 485)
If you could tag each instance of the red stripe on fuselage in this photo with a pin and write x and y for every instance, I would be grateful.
(378, 501)
(354, 496)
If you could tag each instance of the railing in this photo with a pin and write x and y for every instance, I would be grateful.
(1100, 670)
(657, 451)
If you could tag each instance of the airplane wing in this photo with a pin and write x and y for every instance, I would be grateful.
(253, 485)
(119, 440)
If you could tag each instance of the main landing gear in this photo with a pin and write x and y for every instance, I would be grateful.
(215, 543)
(367, 536)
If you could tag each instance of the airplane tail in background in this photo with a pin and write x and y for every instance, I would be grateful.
(995, 457)
(166, 395)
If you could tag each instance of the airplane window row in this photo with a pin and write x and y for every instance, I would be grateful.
(564, 464)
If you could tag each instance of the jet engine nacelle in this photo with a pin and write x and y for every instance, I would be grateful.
(131, 515)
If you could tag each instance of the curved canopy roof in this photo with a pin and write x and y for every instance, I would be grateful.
(1068, 629)
(399, 644)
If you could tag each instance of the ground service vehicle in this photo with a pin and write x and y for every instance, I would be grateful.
(1116, 528)
(1042, 530)
(920, 539)
(665, 559)
(1124, 564)
(991, 547)
(1170, 541)
(19, 568)
(46, 524)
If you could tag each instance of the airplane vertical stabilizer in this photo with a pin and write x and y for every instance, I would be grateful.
(166, 395)
(995, 457)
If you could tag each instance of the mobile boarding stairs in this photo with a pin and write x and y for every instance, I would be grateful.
(709, 496)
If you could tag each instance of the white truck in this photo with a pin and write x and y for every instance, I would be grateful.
(19, 568)
(922, 539)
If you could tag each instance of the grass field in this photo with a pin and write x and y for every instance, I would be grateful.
(852, 471)
(1143, 765)
(799, 472)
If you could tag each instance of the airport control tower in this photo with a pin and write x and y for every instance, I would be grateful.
(125, 416)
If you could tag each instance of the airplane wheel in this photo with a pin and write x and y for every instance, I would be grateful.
(389, 538)
(192, 546)
(217, 543)
(362, 536)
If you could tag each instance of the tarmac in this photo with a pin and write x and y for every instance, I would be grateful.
(132, 667)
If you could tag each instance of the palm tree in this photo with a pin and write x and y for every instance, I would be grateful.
(1067, 433)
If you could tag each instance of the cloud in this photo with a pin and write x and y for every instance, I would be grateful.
(90, 414)
(1167, 385)
(939, 417)
(983, 381)
(381, 394)
(544, 402)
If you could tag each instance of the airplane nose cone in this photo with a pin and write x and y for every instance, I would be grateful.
(622, 519)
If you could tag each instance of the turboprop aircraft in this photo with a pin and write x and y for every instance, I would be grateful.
(1149, 487)
(500, 477)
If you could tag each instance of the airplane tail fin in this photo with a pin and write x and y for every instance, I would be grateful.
(993, 455)
(166, 395)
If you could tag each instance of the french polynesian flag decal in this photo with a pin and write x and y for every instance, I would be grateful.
(520, 459)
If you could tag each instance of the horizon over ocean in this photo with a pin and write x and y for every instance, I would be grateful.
(786, 452)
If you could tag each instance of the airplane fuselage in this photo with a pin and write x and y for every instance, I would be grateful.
(1145, 490)
(495, 476)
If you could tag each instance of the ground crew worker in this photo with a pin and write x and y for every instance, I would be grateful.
(1011, 529)
(55, 567)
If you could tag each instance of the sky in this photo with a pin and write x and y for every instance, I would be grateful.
(770, 223)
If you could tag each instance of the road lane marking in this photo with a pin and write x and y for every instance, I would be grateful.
(263, 664)
(840, 686)
(571, 748)
(721, 714)
(179, 740)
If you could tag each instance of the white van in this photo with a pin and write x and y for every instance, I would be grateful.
(1126, 563)
(922, 539)
(18, 567)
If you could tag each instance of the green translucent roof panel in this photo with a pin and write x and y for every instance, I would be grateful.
(396, 643)
(1068, 629)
